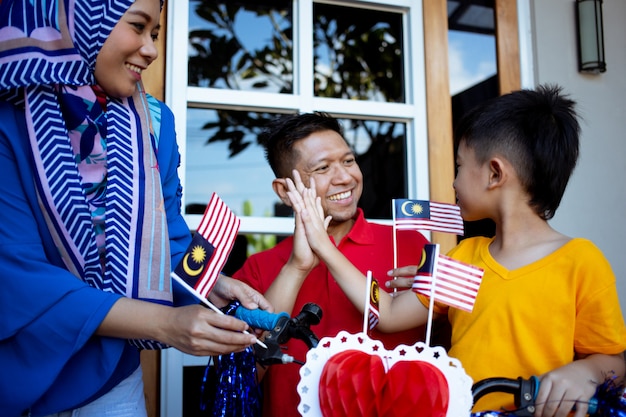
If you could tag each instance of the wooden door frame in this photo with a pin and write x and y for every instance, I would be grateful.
(438, 99)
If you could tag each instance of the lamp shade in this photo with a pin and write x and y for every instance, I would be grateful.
(590, 36)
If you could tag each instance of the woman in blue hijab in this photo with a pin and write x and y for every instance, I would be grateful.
(91, 205)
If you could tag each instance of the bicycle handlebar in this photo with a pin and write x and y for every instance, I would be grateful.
(524, 393)
(259, 319)
(281, 328)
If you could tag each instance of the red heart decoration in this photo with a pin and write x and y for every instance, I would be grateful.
(354, 383)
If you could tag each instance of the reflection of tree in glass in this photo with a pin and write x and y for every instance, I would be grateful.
(358, 54)
(236, 127)
(221, 57)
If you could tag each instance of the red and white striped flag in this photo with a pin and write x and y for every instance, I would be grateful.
(374, 313)
(422, 282)
(206, 255)
(452, 282)
(371, 314)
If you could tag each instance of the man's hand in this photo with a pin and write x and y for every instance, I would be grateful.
(308, 208)
(302, 257)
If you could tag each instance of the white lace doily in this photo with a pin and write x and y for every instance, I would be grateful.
(459, 383)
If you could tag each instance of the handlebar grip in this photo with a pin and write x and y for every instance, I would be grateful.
(524, 390)
(259, 319)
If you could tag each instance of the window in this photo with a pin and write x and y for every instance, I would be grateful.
(247, 61)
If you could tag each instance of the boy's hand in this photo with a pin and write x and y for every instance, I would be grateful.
(403, 277)
(563, 389)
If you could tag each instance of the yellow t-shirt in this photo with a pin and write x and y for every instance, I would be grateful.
(533, 319)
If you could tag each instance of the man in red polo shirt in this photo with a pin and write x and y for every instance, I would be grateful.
(290, 275)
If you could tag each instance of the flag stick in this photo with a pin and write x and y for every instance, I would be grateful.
(209, 304)
(431, 303)
(430, 314)
(366, 309)
(395, 242)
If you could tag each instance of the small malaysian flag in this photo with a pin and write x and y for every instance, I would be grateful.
(453, 282)
(427, 215)
(374, 313)
(426, 269)
(205, 257)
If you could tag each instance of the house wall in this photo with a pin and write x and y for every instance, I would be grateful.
(594, 204)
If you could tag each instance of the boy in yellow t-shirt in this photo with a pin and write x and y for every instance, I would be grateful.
(547, 305)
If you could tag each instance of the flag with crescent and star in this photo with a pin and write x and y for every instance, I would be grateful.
(427, 215)
(374, 313)
(426, 269)
(205, 257)
(447, 280)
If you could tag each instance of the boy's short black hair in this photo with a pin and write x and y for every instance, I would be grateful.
(282, 133)
(537, 131)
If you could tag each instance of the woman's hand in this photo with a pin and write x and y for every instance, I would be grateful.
(227, 289)
(200, 331)
(192, 329)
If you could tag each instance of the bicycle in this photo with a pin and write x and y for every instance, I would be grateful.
(609, 401)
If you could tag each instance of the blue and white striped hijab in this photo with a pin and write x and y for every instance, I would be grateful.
(47, 46)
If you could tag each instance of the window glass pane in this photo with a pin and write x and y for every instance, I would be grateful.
(473, 68)
(380, 147)
(471, 54)
(358, 53)
(223, 156)
(241, 45)
(472, 58)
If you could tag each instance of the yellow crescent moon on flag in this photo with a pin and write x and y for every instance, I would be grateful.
(423, 260)
(188, 270)
(374, 295)
(403, 208)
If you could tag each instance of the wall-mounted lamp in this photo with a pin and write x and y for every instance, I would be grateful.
(590, 36)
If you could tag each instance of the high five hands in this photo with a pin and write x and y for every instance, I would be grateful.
(308, 210)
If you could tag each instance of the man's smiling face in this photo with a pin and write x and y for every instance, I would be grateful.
(326, 157)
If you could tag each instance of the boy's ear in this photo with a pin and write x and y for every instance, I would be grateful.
(497, 172)
(280, 188)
